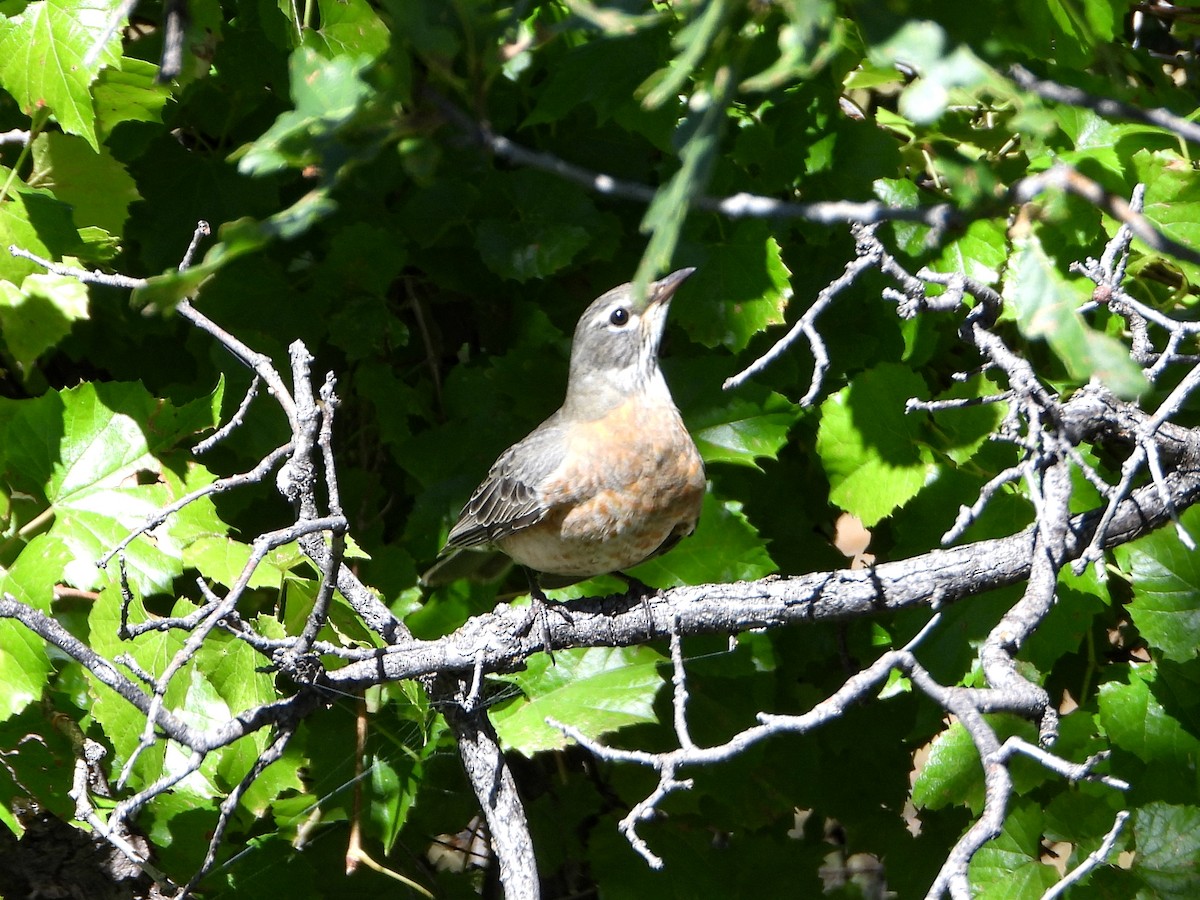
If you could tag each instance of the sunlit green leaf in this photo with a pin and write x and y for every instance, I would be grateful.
(349, 27)
(1136, 721)
(741, 288)
(872, 450)
(743, 431)
(726, 547)
(98, 188)
(1172, 199)
(85, 457)
(43, 51)
(129, 94)
(37, 223)
(36, 316)
(1166, 590)
(597, 690)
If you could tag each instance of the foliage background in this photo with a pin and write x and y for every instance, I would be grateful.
(441, 284)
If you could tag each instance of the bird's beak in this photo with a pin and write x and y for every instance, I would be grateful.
(662, 290)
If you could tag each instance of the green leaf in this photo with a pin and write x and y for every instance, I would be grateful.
(1168, 849)
(1172, 200)
(966, 430)
(1009, 867)
(743, 431)
(901, 193)
(922, 44)
(694, 40)
(596, 690)
(42, 56)
(39, 314)
(97, 187)
(38, 223)
(86, 457)
(803, 42)
(1079, 818)
(981, 253)
(122, 722)
(222, 559)
(725, 547)
(38, 759)
(1136, 721)
(24, 667)
(237, 239)
(328, 94)
(1166, 590)
(402, 760)
(603, 74)
(872, 450)
(950, 774)
(545, 225)
(664, 218)
(741, 288)
(1098, 142)
(1046, 306)
(233, 680)
(528, 250)
(129, 93)
(348, 27)
(222, 680)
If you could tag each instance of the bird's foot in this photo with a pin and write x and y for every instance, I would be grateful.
(539, 615)
(641, 590)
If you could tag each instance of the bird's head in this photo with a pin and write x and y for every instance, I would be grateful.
(615, 350)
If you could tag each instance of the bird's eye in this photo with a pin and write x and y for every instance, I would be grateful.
(619, 316)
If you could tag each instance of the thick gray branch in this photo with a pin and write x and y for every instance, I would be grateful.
(937, 577)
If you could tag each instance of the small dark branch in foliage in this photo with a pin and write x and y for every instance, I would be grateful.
(272, 753)
(939, 216)
(174, 31)
(1113, 109)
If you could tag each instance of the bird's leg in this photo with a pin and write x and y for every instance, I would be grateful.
(539, 612)
(643, 592)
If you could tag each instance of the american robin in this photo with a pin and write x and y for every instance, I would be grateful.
(610, 479)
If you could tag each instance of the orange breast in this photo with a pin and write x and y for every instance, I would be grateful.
(628, 483)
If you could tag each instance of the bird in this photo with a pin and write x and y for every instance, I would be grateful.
(610, 479)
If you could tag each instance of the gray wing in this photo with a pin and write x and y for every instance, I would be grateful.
(509, 498)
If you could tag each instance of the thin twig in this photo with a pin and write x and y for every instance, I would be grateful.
(1094, 859)
(1072, 96)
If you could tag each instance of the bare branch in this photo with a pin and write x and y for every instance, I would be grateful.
(234, 421)
(1064, 178)
(1094, 859)
(94, 276)
(1061, 93)
(940, 216)
(870, 254)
